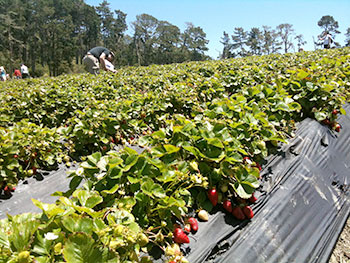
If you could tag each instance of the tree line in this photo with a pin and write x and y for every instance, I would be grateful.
(266, 40)
(54, 36)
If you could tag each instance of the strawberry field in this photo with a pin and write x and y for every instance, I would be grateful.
(204, 128)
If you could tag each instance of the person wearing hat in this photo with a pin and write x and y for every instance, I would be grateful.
(96, 58)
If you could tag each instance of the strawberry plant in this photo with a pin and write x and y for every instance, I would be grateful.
(203, 126)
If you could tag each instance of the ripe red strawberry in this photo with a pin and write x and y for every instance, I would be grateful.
(253, 199)
(258, 166)
(213, 196)
(180, 236)
(7, 190)
(326, 122)
(227, 206)
(335, 112)
(238, 213)
(193, 223)
(248, 212)
(15, 156)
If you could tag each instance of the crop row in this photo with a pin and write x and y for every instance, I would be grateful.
(202, 126)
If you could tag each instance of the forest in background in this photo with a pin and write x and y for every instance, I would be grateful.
(52, 37)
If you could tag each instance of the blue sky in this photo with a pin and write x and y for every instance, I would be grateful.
(217, 16)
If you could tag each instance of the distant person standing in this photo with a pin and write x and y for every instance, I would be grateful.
(327, 40)
(24, 71)
(96, 58)
(2, 73)
(17, 74)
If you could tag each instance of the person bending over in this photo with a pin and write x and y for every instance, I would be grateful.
(96, 58)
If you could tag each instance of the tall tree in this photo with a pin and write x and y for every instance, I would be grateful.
(9, 39)
(270, 42)
(300, 41)
(226, 52)
(145, 29)
(113, 25)
(254, 41)
(286, 32)
(195, 42)
(239, 41)
(167, 43)
(327, 23)
(347, 40)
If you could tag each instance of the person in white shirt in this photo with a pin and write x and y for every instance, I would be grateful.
(2, 73)
(24, 71)
(327, 40)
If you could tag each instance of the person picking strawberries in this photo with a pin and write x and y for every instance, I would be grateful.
(96, 59)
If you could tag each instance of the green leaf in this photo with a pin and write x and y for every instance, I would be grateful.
(74, 183)
(158, 191)
(12, 164)
(130, 162)
(159, 134)
(320, 115)
(4, 242)
(170, 148)
(241, 191)
(342, 111)
(112, 190)
(80, 248)
(193, 150)
(115, 173)
(82, 196)
(49, 209)
(158, 151)
(94, 200)
(302, 74)
(78, 224)
(94, 158)
(234, 158)
(215, 142)
(130, 151)
(152, 189)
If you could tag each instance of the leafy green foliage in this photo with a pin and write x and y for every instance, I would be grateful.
(201, 125)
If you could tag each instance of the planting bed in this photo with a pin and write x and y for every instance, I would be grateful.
(205, 129)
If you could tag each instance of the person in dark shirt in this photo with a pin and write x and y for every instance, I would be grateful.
(95, 58)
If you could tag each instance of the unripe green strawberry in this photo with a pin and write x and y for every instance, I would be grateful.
(24, 257)
(224, 188)
(142, 239)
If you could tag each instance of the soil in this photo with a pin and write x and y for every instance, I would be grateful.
(341, 252)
